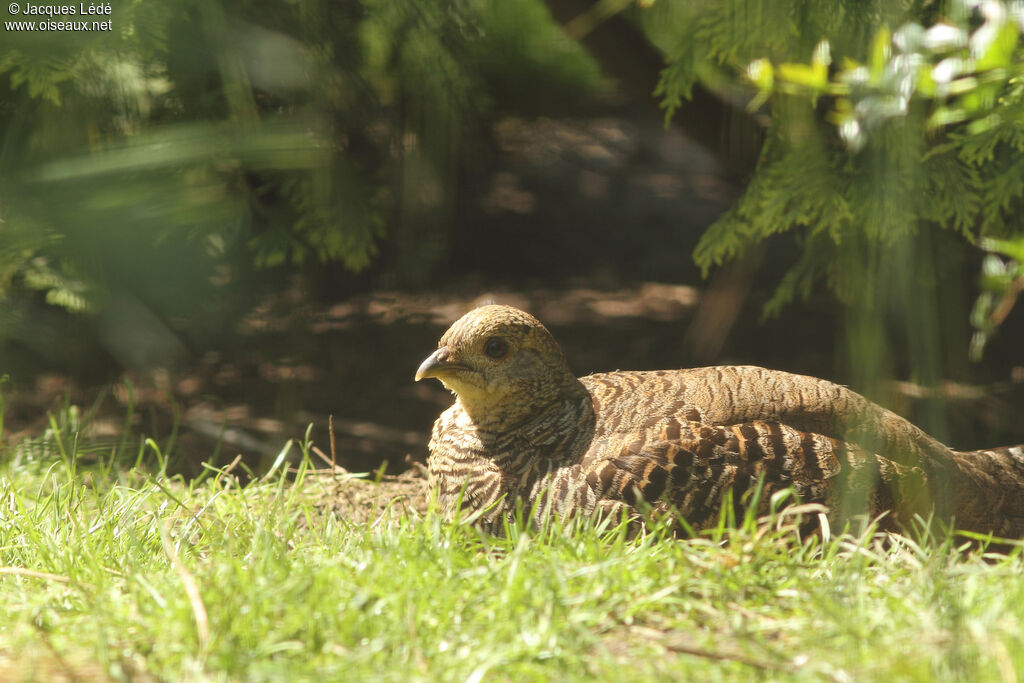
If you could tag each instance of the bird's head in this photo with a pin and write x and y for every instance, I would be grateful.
(502, 364)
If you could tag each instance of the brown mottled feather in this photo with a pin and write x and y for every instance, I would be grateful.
(523, 429)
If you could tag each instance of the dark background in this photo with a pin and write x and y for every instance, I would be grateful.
(187, 261)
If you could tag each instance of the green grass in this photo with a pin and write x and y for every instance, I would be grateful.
(126, 573)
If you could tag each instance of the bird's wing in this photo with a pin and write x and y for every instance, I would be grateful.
(734, 395)
(688, 468)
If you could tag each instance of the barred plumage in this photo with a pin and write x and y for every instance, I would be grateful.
(524, 429)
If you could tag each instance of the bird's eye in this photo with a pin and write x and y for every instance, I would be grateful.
(496, 348)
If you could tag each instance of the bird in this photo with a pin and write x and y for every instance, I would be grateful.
(525, 434)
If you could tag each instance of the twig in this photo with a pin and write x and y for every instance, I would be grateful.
(1007, 302)
(677, 643)
(22, 571)
(417, 465)
(232, 465)
(231, 435)
(330, 430)
(323, 456)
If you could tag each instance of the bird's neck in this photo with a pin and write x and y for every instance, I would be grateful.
(533, 418)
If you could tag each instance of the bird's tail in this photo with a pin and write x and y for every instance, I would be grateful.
(990, 496)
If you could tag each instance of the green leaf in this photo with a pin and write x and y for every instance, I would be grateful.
(814, 77)
(998, 54)
(1012, 248)
(880, 50)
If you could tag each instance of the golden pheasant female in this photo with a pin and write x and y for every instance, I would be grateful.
(524, 430)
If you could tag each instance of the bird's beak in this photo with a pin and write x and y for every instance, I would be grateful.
(437, 364)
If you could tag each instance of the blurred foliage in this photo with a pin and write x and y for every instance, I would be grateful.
(143, 168)
(147, 171)
(884, 147)
(1002, 280)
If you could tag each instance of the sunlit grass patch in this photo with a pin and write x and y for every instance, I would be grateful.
(125, 572)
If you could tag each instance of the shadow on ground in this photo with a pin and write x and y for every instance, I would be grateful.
(589, 224)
